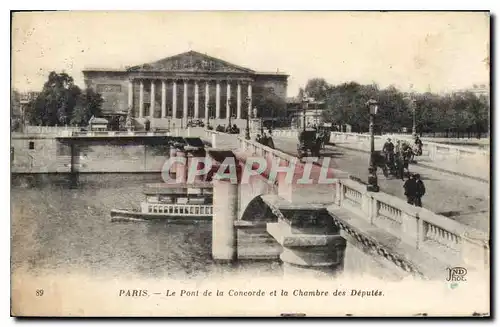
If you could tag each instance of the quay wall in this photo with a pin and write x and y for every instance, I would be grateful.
(33, 154)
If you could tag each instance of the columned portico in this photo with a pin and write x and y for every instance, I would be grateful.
(187, 94)
(133, 90)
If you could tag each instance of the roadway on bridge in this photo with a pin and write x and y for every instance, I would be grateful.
(459, 198)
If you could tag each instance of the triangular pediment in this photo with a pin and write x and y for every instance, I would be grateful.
(191, 61)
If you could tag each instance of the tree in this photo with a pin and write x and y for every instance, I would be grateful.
(317, 88)
(62, 102)
(346, 104)
(55, 104)
(89, 104)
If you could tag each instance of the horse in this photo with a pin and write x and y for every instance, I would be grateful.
(396, 167)
(379, 161)
(324, 137)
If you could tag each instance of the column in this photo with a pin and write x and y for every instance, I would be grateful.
(141, 99)
(238, 100)
(217, 100)
(185, 102)
(250, 97)
(207, 97)
(152, 106)
(228, 98)
(174, 99)
(130, 94)
(163, 99)
(196, 99)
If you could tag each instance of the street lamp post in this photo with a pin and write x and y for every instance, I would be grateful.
(372, 170)
(305, 102)
(247, 127)
(414, 127)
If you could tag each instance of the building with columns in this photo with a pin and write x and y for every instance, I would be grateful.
(186, 86)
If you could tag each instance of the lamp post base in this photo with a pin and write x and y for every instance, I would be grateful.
(372, 180)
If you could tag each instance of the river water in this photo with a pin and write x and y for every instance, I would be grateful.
(61, 229)
(57, 229)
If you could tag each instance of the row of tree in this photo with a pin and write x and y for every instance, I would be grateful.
(462, 112)
(61, 102)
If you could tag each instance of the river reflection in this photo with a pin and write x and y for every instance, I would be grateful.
(57, 228)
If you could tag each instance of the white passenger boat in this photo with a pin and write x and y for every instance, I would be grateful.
(172, 202)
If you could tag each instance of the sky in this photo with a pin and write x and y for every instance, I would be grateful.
(436, 51)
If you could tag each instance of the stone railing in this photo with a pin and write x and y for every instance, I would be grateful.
(265, 151)
(49, 129)
(112, 133)
(285, 133)
(418, 227)
(434, 150)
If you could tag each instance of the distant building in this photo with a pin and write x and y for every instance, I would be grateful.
(313, 114)
(20, 101)
(186, 86)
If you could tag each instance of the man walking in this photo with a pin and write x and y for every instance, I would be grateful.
(419, 190)
(410, 187)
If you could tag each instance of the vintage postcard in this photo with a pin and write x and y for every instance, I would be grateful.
(250, 164)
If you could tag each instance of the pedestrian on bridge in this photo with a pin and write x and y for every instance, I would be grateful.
(420, 190)
(410, 187)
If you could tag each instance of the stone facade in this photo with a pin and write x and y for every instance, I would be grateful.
(187, 86)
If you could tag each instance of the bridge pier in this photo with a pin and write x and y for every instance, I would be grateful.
(73, 171)
(312, 245)
(225, 213)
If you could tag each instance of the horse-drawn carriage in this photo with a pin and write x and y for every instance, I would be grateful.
(395, 164)
(309, 142)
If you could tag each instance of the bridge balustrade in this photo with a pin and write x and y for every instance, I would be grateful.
(432, 149)
(417, 227)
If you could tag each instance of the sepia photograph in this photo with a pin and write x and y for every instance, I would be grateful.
(250, 164)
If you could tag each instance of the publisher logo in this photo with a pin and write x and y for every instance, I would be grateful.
(456, 274)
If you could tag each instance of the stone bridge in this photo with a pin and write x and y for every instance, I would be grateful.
(327, 229)
(320, 228)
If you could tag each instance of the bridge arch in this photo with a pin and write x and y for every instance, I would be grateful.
(257, 186)
(258, 210)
